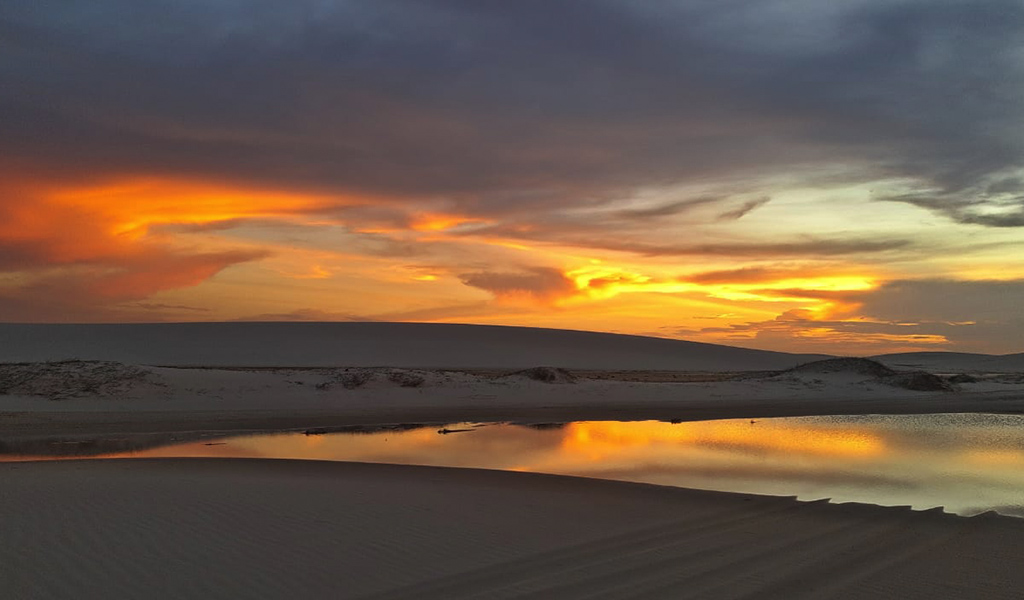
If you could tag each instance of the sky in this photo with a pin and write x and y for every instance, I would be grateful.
(842, 177)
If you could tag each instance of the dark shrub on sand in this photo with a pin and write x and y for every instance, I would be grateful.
(406, 379)
(349, 379)
(857, 366)
(545, 375)
(920, 381)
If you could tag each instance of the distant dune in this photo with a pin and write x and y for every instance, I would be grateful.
(410, 345)
(954, 361)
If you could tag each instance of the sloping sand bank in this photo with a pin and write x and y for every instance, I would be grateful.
(409, 345)
(209, 528)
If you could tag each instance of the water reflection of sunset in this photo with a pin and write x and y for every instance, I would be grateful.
(995, 457)
(966, 463)
(598, 440)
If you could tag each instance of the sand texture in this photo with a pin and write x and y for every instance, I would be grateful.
(218, 528)
(210, 528)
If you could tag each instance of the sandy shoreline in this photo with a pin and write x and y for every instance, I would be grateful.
(273, 529)
(50, 423)
(230, 528)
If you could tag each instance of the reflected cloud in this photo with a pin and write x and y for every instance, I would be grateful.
(598, 440)
(967, 463)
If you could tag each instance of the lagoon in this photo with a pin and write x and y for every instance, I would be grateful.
(966, 463)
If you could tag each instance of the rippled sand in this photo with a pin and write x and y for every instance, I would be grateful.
(210, 528)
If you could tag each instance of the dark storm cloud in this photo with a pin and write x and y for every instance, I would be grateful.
(743, 210)
(551, 103)
(610, 231)
(942, 300)
(668, 210)
(806, 247)
(682, 207)
(537, 282)
(752, 275)
(967, 209)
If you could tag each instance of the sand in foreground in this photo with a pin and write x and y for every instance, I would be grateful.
(210, 528)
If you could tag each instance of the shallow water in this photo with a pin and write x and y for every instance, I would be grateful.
(968, 463)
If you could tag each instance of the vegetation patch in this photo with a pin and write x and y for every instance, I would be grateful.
(71, 378)
(545, 375)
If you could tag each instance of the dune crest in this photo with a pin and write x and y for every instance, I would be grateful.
(359, 344)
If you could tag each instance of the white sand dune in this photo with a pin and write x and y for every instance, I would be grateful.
(276, 529)
(211, 528)
(85, 398)
(410, 345)
(418, 345)
(93, 398)
(951, 362)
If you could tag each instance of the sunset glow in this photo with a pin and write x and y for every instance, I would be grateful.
(462, 173)
(963, 462)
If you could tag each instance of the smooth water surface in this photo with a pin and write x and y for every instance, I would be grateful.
(968, 463)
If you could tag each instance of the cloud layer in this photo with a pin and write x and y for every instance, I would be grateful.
(544, 101)
(491, 151)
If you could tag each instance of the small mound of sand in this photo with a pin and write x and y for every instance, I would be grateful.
(355, 378)
(852, 366)
(545, 375)
(406, 378)
(920, 381)
(70, 378)
(963, 378)
(869, 370)
(349, 379)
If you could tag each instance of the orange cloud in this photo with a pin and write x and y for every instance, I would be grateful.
(130, 207)
(79, 249)
(89, 292)
(600, 282)
(441, 222)
(88, 245)
(47, 225)
(161, 272)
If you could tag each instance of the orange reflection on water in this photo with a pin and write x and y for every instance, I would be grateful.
(598, 440)
(999, 457)
(968, 463)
